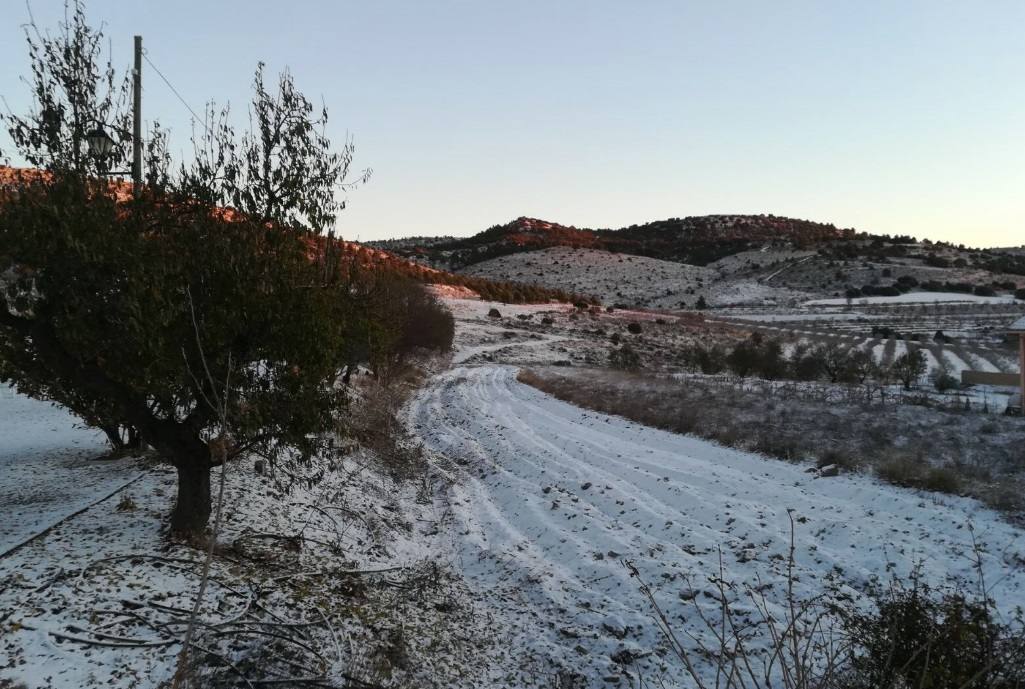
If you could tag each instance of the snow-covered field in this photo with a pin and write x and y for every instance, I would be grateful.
(919, 298)
(553, 499)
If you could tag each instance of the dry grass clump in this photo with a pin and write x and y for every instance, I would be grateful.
(374, 421)
(910, 471)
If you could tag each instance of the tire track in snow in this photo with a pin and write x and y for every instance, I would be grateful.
(552, 496)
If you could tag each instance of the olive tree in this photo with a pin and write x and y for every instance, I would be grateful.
(197, 326)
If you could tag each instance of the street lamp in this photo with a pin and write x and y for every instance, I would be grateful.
(100, 143)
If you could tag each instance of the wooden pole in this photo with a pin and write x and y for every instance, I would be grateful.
(137, 119)
(1021, 369)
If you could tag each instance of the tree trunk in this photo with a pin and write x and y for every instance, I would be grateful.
(134, 439)
(192, 508)
(113, 433)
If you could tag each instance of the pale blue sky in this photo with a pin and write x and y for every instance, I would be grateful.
(898, 117)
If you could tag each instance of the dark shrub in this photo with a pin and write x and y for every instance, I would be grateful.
(909, 367)
(634, 328)
(909, 280)
(951, 642)
(943, 380)
(494, 313)
(624, 358)
(807, 363)
(709, 360)
(984, 291)
(743, 360)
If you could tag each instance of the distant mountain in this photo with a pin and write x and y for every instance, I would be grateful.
(694, 240)
(727, 259)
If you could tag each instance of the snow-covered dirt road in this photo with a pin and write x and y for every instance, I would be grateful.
(551, 499)
(46, 467)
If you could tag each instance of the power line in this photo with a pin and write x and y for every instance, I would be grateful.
(145, 55)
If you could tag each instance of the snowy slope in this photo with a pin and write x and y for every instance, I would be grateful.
(553, 498)
(613, 278)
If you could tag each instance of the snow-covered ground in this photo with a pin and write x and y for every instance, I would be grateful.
(553, 499)
(919, 298)
(341, 572)
(49, 467)
(527, 513)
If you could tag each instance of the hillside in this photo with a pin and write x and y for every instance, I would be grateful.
(693, 240)
(612, 278)
(487, 287)
(739, 259)
(639, 281)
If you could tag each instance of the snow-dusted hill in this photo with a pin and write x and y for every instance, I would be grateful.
(636, 280)
(613, 278)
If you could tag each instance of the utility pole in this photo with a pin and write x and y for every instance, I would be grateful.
(137, 119)
(1021, 368)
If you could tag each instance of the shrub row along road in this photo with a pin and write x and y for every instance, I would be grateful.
(550, 499)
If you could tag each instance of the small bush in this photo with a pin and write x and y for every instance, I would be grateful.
(634, 328)
(494, 313)
(709, 359)
(624, 358)
(984, 291)
(916, 640)
(944, 381)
